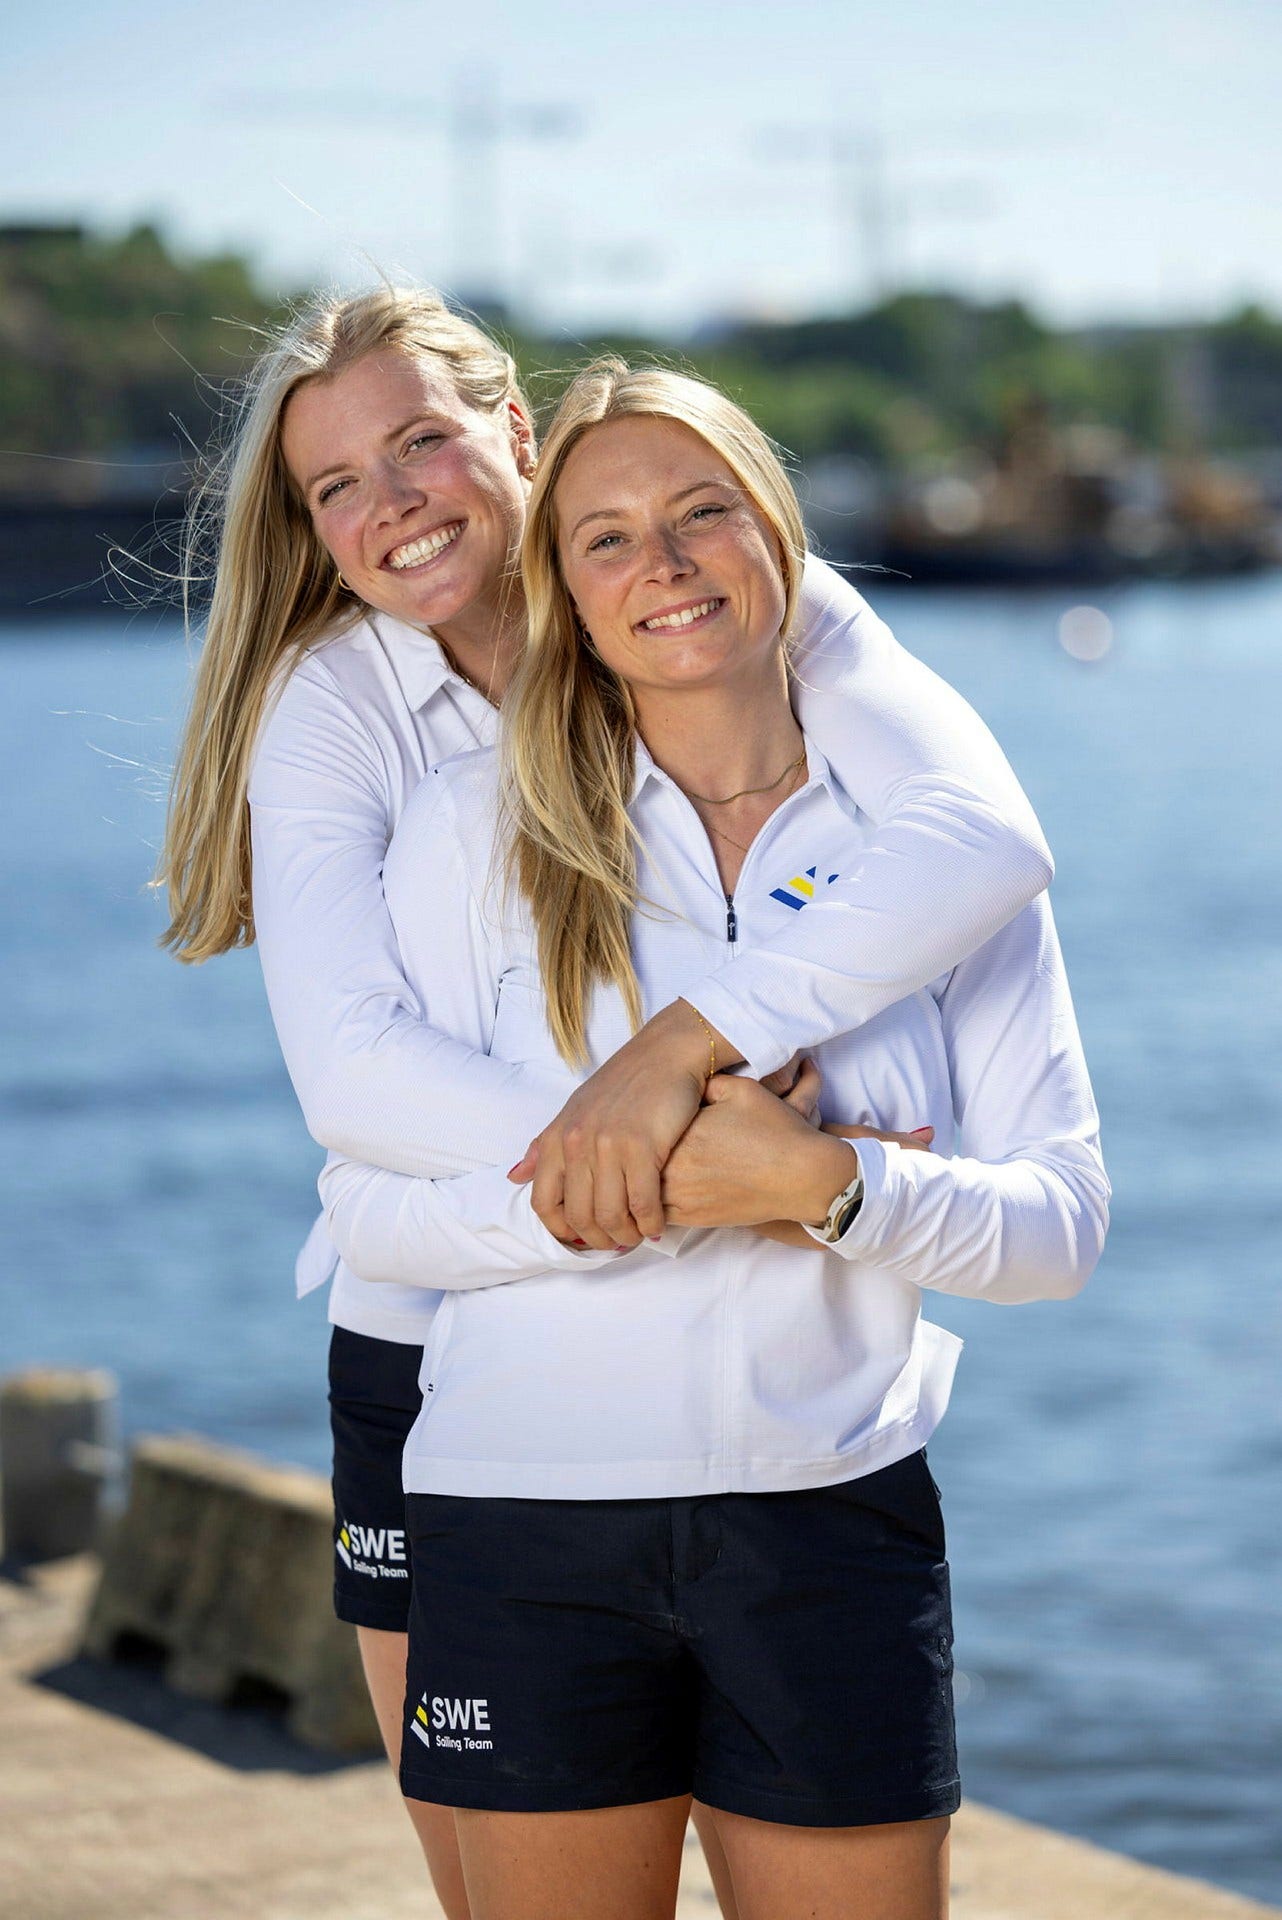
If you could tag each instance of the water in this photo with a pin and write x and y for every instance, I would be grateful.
(1112, 1467)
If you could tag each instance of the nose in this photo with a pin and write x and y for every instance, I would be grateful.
(397, 494)
(665, 555)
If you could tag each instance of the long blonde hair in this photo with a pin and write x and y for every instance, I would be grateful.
(275, 588)
(569, 721)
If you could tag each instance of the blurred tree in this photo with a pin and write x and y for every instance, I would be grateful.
(101, 339)
(113, 346)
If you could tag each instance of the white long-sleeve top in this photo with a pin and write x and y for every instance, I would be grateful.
(737, 1365)
(353, 730)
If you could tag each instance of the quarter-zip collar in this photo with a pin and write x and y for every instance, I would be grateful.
(646, 770)
(417, 657)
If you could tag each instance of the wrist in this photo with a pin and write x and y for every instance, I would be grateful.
(690, 1041)
(832, 1165)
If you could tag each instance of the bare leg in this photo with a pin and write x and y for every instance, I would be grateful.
(610, 1863)
(705, 1821)
(894, 1872)
(383, 1656)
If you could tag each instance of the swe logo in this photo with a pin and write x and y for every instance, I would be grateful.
(376, 1551)
(460, 1725)
(801, 888)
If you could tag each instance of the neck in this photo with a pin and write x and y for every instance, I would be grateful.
(719, 740)
(485, 641)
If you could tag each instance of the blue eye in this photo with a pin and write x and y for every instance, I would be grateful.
(327, 493)
(603, 541)
(712, 507)
(423, 439)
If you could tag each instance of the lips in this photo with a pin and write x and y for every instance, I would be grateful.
(673, 619)
(416, 553)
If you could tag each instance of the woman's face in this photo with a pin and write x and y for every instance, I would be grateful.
(674, 571)
(417, 496)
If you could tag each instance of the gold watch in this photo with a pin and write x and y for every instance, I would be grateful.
(843, 1211)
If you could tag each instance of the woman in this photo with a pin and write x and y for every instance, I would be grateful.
(671, 1527)
(364, 622)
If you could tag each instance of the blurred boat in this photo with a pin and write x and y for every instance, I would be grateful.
(1055, 506)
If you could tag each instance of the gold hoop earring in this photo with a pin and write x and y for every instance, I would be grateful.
(343, 584)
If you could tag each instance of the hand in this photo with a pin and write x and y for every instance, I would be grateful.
(790, 1233)
(596, 1168)
(800, 1084)
(749, 1157)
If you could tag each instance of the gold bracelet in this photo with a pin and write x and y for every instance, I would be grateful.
(712, 1042)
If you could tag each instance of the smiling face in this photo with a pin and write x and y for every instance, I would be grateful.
(674, 570)
(417, 496)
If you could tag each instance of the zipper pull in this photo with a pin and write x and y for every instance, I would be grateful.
(732, 920)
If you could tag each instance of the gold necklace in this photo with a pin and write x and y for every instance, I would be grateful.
(721, 832)
(459, 674)
(745, 793)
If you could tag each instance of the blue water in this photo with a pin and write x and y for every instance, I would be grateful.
(1112, 1467)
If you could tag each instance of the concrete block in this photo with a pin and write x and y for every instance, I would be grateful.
(223, 1564)
(58, 1453)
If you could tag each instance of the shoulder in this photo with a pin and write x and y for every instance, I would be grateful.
(833, 618)
(329, 680)
(342, 666)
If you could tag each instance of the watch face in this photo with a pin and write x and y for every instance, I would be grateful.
(843, 1210)
(849, 1214)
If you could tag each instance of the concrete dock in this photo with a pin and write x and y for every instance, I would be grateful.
(124, 1802)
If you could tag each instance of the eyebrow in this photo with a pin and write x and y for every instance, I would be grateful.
(326, 472)
(615, 513)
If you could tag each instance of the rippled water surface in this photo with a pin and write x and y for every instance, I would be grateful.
(1112, 1467)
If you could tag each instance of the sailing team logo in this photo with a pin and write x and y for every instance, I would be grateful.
(801, 888)
(379, 1552)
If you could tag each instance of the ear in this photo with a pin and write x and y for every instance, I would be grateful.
(523, 445)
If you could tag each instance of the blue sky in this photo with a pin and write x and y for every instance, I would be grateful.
(1102, 161)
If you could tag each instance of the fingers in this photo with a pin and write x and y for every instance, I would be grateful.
(645, 1198)
(611, 1209)
(919, 1141)
(547, 1195)
(523, 1171)
(805, 1092)
(579, 1205)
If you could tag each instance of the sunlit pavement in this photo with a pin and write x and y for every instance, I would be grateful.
(126, 1802)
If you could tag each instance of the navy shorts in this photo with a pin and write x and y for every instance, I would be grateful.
(374, 1400)
(787, 1656)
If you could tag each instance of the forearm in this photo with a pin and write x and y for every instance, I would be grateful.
(376, 1082)
(956, 855)
(417, 1102)
(476, 1230)
(1028, 1228)
(938, 880)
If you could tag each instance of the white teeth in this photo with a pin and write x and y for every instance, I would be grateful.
(420, 550)
(682, 619)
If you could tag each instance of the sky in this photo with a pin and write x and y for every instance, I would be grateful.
(666, 166)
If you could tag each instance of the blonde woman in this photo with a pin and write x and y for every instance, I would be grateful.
(364, 517)
(672, 1532)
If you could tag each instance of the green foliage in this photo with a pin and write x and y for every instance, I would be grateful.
(109, 343)
(106, 343)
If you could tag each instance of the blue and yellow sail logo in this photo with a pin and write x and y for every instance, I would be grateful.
(801, 888)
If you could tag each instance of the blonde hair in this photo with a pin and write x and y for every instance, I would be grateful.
(569, 721)
(275, 587)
